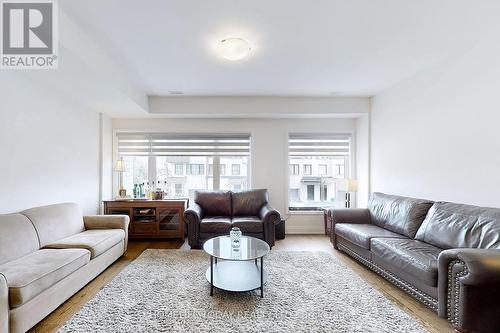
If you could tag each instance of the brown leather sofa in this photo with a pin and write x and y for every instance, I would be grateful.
(444, 254)
(49, 253)
(214, 214)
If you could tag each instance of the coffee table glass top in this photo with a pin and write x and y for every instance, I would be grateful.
(250, 248)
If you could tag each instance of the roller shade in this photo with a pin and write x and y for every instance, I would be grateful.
(319, 144)
(163, 144)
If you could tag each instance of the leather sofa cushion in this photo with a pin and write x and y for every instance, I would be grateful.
(217, 224)
(97, 241)
(361, 234)
(450, 225)
(214, 203)
(402, 215)
(249, 203)
(248, 224)
(30, 275)
(413, 280)
(56, 221)
(17, 237)
(414, 257)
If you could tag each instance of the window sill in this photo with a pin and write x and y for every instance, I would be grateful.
(305, 212)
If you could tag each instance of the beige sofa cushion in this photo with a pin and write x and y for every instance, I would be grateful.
(56, 221)
(17, 237)
(97, 241)
(28, 276)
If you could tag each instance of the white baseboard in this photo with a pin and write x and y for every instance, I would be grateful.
(303, 229)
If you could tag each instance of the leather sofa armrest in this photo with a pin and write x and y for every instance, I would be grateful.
(350, 215)
(346, 215)
(469, 288)
(193, 216)
(108, 222)
(270, 217)
(4, 304)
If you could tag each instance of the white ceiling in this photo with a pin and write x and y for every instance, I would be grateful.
(300, 48)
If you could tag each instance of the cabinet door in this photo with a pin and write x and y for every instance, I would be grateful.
(169, 220)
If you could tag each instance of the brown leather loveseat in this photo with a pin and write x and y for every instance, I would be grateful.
(214, 214)
(444, 254)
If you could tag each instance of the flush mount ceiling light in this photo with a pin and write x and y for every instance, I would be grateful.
(234, 48)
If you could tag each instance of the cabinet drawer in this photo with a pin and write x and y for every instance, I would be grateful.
(144, 228)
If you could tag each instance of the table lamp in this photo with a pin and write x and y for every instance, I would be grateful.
(120, 168)
(352, 187)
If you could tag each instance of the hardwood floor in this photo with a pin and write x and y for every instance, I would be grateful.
(292, 243)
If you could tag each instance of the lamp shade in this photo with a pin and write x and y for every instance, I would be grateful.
(120, 166)
(352, 185)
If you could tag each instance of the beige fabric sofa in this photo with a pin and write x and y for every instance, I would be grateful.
(49, 253)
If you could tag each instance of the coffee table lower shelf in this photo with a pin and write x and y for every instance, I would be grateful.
(238, 276)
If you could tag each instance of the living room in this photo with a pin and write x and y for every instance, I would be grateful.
(249, 166)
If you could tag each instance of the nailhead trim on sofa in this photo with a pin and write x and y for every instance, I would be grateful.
(453, 301)
(405, 286)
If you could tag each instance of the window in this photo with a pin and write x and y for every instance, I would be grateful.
(339, 169)
(179, 169)
(237, 187)
(310, 192)
(322, 169)
(324, 193)
(167, 168)
(235, 169)
(307, 169)
(195, 169)
(200, 159)
(325, 160)
(238, 177)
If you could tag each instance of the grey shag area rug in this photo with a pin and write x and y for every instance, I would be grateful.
(166, 291)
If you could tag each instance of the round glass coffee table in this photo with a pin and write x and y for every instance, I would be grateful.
(238, 268)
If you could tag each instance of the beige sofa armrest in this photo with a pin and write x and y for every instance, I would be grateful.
(4, 305)
(108, 222)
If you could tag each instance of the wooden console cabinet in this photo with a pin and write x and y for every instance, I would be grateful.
(151, 218)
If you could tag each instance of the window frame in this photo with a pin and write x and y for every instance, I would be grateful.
(238, 167)
(326, 169)
(181, 168)
(305, 168)
(199, 166)
(181, 187)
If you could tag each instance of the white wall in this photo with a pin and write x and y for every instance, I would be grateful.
(106, 151)
(437, 135)
(269, 164)
(49, 148)
(258, 107)
(362, 162)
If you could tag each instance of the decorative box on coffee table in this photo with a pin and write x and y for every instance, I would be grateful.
(151, 218)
